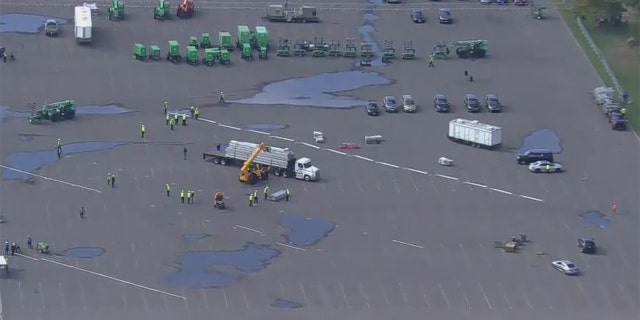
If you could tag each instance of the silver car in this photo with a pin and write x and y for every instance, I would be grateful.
(565, 266)
(390, 104)
(545, 167)
(408, 104)
(51, 28)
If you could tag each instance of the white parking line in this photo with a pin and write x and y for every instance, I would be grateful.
(474, 184)
(530, 198)
(51, 179)
(388, 164)
(229, 127)
(447, 177)
(247, 228)
(362, 158)
(207, 120)
(26, 256)
(408, 244)
(291, 247)
(416, 170)
(113, 278)
(309, 145)
(283, 138)
(501, 191)
(335, 151)
(258, 132)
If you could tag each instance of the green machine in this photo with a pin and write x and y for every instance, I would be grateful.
(209, 57)
(154, 53)
(205, 41)
(193, 41)
(471, 48)
(247, 52)
(283, 48)
(244, 37)
(173, 54)
(225, 57)
(116, 10)
(139, 52)
(161, 12)
(42, 248)
(409, 52)
(350, 49)
(224, 40)
(260, 38)
(54, 111)
(440, 50)
(388, 51)
(192, 56)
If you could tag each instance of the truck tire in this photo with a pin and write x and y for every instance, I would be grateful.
(71, 114)
(216, 160)
(252, 179)
(223, 161)
(55, 117)
(307, 178)
(285, 174)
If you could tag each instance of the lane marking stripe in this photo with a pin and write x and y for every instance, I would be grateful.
(283, 138)
(416, 170)
(362, 158)
(335, 151)
(113, 278)
(309, 145)
(474, 184)
(206, 120)
(229, 127)
(291, 247)
(51, 179)
(408, 244)
(530, 198)
(501, 191)
(388, 164)
(248, 229)
(258, 132)
(447, 177)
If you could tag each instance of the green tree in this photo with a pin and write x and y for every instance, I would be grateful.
(604, 8)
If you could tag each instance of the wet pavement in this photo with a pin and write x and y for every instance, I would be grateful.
(286, 304)
(542, 139)
(108, 109)
(24, 23)
(83, 252)
(367, 34)
(596, 219)
(305, 232)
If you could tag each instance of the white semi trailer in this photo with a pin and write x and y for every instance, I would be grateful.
(83, 24)
(475, 133)
(279, 161)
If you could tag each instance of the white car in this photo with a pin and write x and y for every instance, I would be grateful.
(545, 166)
(565, 266)
(486, 1)
(408, 104)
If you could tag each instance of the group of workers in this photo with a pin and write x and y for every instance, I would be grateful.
(12, 248)
(253, 196)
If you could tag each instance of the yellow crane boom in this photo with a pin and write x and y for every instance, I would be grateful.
(248, 175)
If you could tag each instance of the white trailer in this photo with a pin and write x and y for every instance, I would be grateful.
(475, 133)
(83, 24)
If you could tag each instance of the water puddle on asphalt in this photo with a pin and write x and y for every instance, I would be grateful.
(286, 304)
(542, 139)
(367, 31)
(83, 252)
(305, 232)
(265, 127)
(24, 23)
(108, 109)
(595, 218)
(32, 161)
(6, 112)
(195, 237)
(197, 269)
(318, 90)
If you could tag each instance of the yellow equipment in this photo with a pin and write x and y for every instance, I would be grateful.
(250, 173)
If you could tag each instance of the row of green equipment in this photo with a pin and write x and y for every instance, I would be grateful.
(116, 10)
(319, 48)
(54, 111)
(191, 55)
(466, 49)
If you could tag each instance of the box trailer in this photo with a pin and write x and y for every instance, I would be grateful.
(475, 133)
(83, 24)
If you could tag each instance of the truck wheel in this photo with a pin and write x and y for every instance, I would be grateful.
(277, 172)
(558, 170)
(71, 114)
(537, 171)
(55, 117)
(216, 160)
(223, 161)
(252, 179)
(307, 178)
(285, 174)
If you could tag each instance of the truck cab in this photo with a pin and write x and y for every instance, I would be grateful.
(306, 171)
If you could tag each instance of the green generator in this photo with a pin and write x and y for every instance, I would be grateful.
(154, 53)
(116, 11)
(224, 40)
(225, 57)
(193, 41)
(161, 12)
(244, 36)
(139, 52)
(247, 52)
(205, 42)
(192, 56)
(209, 57)
(173, 54)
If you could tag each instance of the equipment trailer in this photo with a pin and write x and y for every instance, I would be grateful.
(282, 13)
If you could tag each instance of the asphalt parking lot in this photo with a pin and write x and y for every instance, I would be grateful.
(412, 238)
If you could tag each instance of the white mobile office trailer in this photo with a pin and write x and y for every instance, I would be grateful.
(475, 133)
(83, 24)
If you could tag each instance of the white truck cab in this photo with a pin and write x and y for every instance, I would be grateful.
(306, 171)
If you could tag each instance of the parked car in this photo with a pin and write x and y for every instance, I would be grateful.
(545, 166)
(486, 1)
(532, 155)
(408, 104)
(617, 120)
(587, 245)
(372, 109)
(445, 16)
(390, 104)
(492, 103)
(472, 103)
(51, 27)
(417, 16)
(520, 2)
(565, 266)
(441, 103)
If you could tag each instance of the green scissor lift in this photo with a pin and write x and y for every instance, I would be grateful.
(243, 36)
(205, 41)
(191, 56)
(116, 10)
(224, 40)
(350, 49)
(173, 53)
(209, 58)
(388, 51)
(284, 50)
(161, 12)
(260, 41)
(409, 52)
(225, 57)
(140, 52)
(247, 52)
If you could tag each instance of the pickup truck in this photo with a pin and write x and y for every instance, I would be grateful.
(51, 28)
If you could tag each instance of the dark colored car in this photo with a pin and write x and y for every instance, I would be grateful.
(440, 103)
(445, 16)
(472, 103)
(533, 155)
(617, 121)
(587, 245)
(492, 103)
(372, 109)
(417, 16)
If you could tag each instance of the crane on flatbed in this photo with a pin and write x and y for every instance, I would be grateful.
(250, 173)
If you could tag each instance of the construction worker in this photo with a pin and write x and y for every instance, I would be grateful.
(250, 198)
(165, 107)
(167, 118)
(614, 208)
(6, 248)
(266, 192)
(193, 111)
(142, 131)
(29, 243)
(286, 195)
(168, 190)
(175, 117)
(59, 151)
(181, 196)
(221, 97)
(623, 111)
(255, 196)
(172, 123)
(184, 119)
(59, 143)
(184, 152)
(431, 65)
(193, 195)
(196, 113)
(625, 97)
(113, 180)
(82, 212)
(109, 178)
(548, 167)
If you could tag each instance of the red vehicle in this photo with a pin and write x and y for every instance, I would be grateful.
(186, 9)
